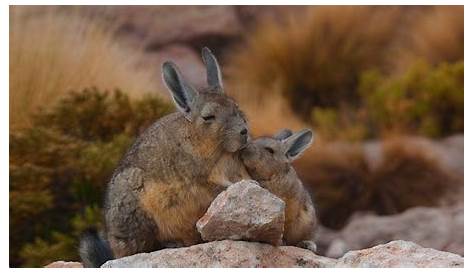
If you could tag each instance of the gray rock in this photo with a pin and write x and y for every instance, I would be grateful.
(245, 211)
(400, 254)
(438, 228)
(226, 253)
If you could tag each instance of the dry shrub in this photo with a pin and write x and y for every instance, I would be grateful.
(52, 53)
(267, 118)
(437, 35)
(409, 175)
(338, 178)
(313, 58)
(343, 179)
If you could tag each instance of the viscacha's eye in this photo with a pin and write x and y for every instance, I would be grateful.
(269, 149)
(209, 117)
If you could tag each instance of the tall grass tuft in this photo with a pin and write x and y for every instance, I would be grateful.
(436, 36)
(313, 59)
(53, 52)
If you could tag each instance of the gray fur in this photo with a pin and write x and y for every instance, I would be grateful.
(283, 134)
(268, 162)
(174, 170)
(297, 143)
(181, 91)
(94, 251)
(214, 75)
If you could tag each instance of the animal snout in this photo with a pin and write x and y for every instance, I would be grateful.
(244, 131)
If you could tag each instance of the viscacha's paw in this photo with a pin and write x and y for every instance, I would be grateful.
(310, 245)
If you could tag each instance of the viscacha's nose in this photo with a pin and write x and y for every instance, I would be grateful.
(243, 131)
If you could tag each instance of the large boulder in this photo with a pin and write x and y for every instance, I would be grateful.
(438, 228)
(400, 254)
(225, 253)
(245, 211)
(230, 253)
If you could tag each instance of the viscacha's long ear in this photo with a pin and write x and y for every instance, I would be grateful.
(214, 75)
(283, 134)
(297, 143)
(181, 91)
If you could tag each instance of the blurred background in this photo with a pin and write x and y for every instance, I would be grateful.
(382, 87)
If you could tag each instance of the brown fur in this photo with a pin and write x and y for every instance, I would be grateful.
(173, 171)
(274, 172)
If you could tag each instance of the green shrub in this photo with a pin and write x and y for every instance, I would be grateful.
(425, 100)
(59, 168)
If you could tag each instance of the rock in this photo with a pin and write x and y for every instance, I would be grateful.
(245, 211)
(400, 254)
(438, 228)
(63, 264)
(228, 253)
(225, 253)
(337, 248)
(157, 26)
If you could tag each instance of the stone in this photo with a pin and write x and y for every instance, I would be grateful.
(226, 253)
(63, 264)
(438, 228)
(400, 254)
(245, 211)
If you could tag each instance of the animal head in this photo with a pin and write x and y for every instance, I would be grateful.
(213, 114)
(266, 157)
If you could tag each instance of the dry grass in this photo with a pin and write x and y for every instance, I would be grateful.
(267, 118)
(313, 58)
(409, 175)
(52, 53)
(437, 35)
(337, 176)
(344, 178)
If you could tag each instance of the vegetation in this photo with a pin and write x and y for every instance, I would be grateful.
(425, 100)
(60, 166)
(342, 181)
(339, 68)
(57, 52)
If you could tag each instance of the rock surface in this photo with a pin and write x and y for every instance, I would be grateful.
(230, 253)
(63, 264)
(245, 211)
(438, 228)
(226, 253)
(400, 254)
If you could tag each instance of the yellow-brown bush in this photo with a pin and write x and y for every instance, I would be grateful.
(409, 175)
(436, 36)
(342, 181)
(52, 53)
(314, 69)
(314, 58)
(337, 176)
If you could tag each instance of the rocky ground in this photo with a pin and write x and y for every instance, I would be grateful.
(244, 227)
